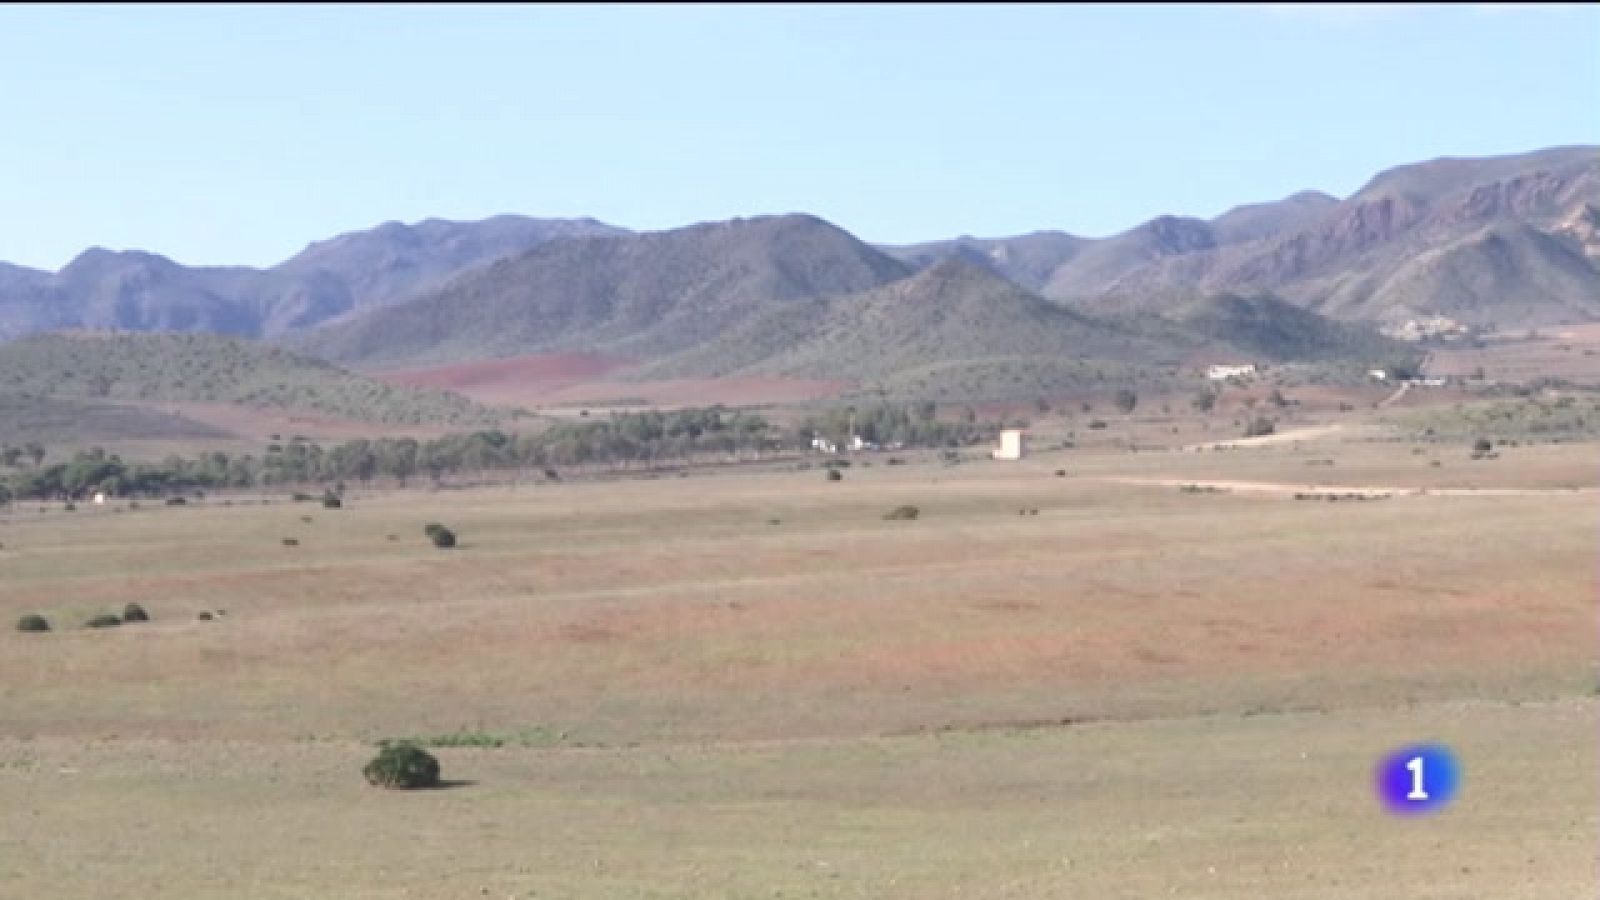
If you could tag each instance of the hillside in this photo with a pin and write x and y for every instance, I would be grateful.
(1266, 327)
(133, 369)
(635, 296)
(138, 291)
(1027, 259)
(384, 265)
(1350, 260)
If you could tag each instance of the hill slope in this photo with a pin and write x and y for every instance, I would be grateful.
(138, 291)
(1027, 259)
(1350, 260)
(394, 261)
(134, 369)
(639, 296)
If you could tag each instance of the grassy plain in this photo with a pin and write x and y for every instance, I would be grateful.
(749, 684)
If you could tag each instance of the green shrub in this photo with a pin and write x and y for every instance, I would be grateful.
(835, 475)
(441, 536)
(290, 542)
(1097, 424)
(330, 500)
(302, 498)
(177, 501)
(103, 621)
(902, 512)
(133, 612)
(69, 506)
(1260, 427)
(33, 623)
(1481, 448)
(204, 616)
(402, 765)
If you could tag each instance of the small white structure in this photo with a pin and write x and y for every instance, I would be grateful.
(1223, 373)
(99, 499)
(1378, 374)
(823, 444)
(856, 443)
(1011, 444)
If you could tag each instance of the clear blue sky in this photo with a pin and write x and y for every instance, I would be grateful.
(237, 134)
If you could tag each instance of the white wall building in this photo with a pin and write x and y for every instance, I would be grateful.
(1012, 444)
(1223, 373)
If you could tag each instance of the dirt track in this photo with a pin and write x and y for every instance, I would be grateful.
(1270, 487)
(1267, 440)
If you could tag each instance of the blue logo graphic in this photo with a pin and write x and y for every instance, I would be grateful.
(1422, 778)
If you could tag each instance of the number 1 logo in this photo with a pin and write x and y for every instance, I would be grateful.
(1415, 767)
(1417, 779)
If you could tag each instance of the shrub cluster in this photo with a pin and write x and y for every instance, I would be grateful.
(34, 623)
(402, 765)
(441, 536)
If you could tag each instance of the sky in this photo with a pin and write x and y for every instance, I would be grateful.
(238, 134)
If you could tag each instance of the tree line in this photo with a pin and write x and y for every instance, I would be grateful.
(641, 439)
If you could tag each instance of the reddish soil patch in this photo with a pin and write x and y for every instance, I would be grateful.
(514, 371)
(580, 379)
(697, 392)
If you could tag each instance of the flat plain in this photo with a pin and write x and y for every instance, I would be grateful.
(748, 683)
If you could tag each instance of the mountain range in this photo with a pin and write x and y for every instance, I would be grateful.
(1509, 241)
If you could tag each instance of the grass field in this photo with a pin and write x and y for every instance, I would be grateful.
(749, 684)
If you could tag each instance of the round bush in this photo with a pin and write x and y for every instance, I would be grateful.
(33, 623)
(204, 616)
(833, 475)
(442, 537)
(404, 766)
(330, 500)
(291, 542)
(902, 512)
(104, 621)
(133, 612)
(177, 501)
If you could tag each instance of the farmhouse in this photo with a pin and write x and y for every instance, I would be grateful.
(1011, 444)
(1224, 372)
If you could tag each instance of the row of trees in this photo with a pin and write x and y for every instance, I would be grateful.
(888, 424)
(624, 439)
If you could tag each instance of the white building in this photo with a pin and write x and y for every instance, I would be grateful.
(1378, 374)
(1223, 373)
(1011, 444)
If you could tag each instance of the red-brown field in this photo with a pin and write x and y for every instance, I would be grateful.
(1568, 351)
(578, 379)
(748, 682)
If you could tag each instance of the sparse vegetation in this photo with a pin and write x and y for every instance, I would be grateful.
(133, 612)
(835, 475)
(902, 513)
(441, 536)
(33, 623)
(330, 500)
(105, 620)
(402, 765)
(1260, 426)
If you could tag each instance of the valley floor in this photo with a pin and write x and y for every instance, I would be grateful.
(745, 684)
